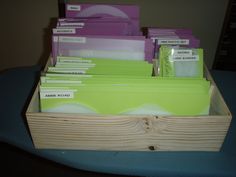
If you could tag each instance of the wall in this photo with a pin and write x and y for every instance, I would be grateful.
(25, 31)
(27, 42)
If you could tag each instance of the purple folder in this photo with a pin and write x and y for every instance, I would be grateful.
(102, 10)
(92, 28)
(168, 31)
(129, 12)
(130, 27)
(184, 40)
(68, 45)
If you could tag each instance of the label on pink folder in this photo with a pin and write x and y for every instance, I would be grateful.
(173, 42)
(73, 7)
(64, 31)
(72, 39)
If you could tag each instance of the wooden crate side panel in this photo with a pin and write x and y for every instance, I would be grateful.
(34, 105)
(218, 105)
(128, 133)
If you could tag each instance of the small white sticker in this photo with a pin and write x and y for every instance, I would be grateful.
(75, 61)
(61, 19)
(185, 58)
(153, 39)
(73, 7)
(173, 42)
(56, 94)
(55, 38)
(63, 31)
(51, 81)
(72, 39)
(70, 71)
(71, 24)
(183, 52)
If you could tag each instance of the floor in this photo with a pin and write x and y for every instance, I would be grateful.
(16, 162)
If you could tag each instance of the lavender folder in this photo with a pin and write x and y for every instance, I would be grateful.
(116, 47)
(102, 10)
(130, 12)
(96, 29)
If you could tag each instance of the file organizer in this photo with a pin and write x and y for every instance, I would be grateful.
(162, 125)
(130, 132)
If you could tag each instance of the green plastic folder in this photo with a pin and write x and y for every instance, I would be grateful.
(102, 66)
(134, 98)
(180, 62)
(118, 87)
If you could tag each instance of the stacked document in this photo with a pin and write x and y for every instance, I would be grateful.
(172, 37)
(110, 47)
(117, 87)
(94, 26)
(101, 31)
(102, 65)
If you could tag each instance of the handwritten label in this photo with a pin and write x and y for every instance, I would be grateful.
(56, 94)
(183, 52)
(72, 39)
(51, 81)
(74, 61)
(73, 7)
(173, 42)
(71, 24)
(185, 58)
(63, 31)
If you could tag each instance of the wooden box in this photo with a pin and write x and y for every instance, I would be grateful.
(131, 133)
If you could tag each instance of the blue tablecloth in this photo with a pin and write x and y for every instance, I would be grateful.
(16, 87)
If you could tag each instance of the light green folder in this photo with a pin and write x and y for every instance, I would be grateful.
(118, 87)
(102, 66)
(180, 62)
(134, 98)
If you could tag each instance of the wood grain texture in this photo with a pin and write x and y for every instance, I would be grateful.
(131, 133)
(127, 132)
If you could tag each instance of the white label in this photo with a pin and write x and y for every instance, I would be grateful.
(173, 42)
(61, 19)
(153, 39)
(63, 31)
(63, 81)
(84, 66)
(66, 27)
(65, 70)
(73, 7)
(185, 58)
(70, 71)
(71, 24)
(72, 39)
(55, 38)
(66, 75)
(56, 94)
(74, 61)
(183, 52)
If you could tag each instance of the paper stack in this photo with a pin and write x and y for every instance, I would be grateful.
(102, 65)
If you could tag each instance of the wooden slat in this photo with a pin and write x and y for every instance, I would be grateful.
(129, 133)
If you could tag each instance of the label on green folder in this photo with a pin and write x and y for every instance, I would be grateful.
(56, 94)
(72, 39)
(185, 58)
